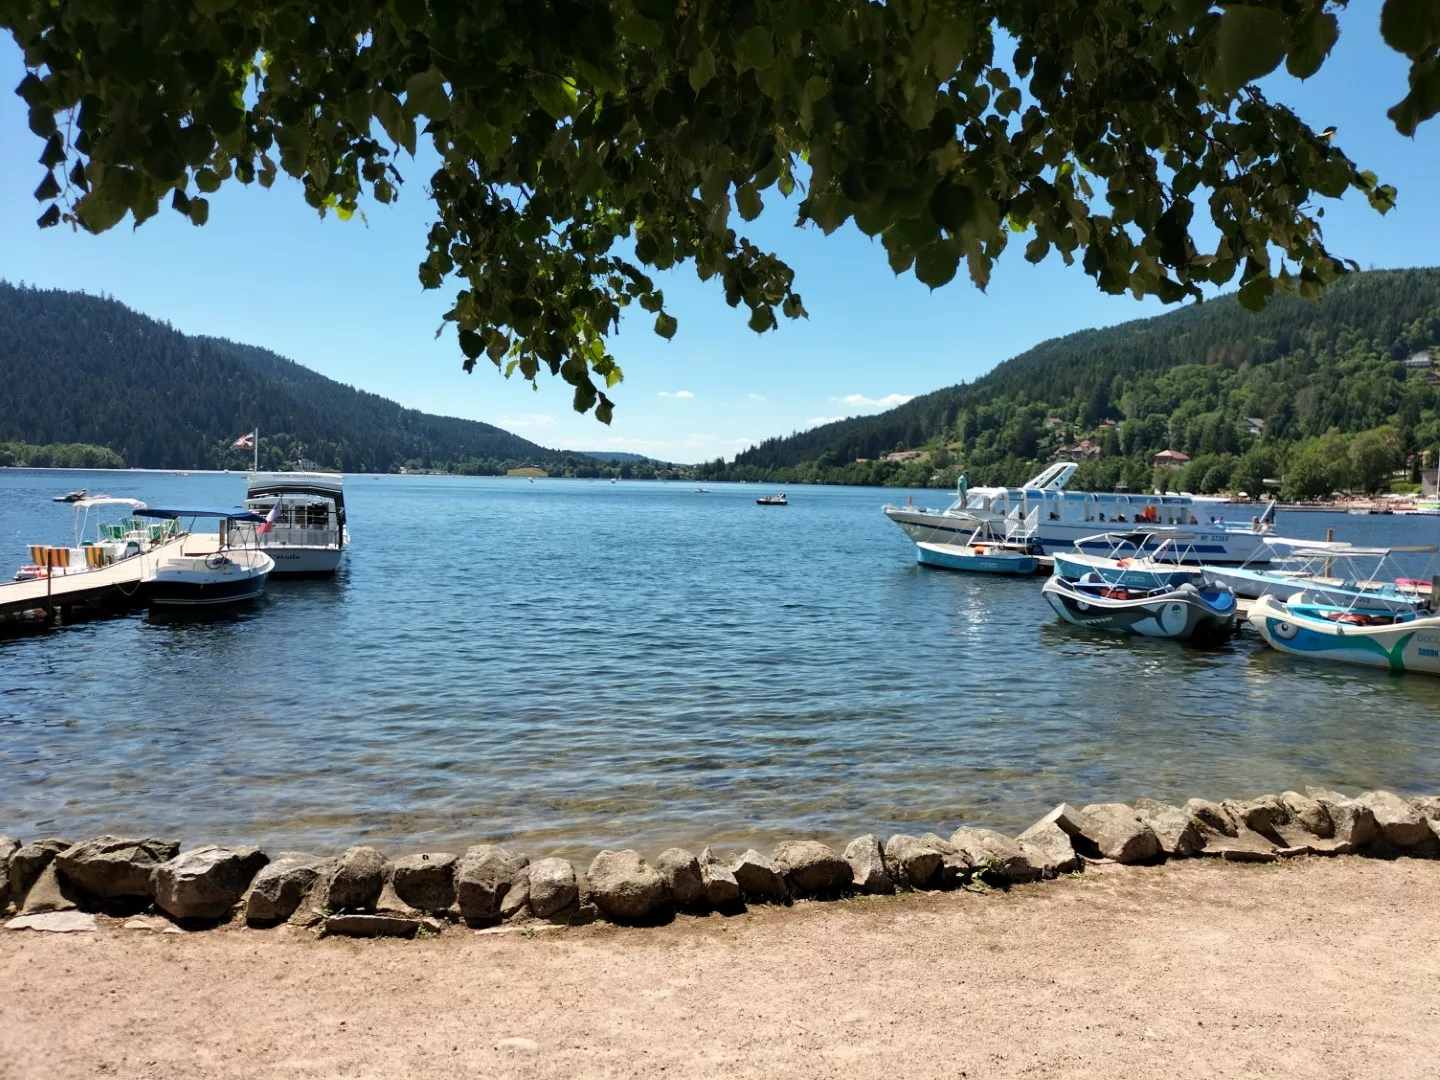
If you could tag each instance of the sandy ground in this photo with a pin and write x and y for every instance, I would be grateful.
(1317, 968)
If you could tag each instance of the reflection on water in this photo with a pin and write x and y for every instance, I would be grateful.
(568, 665)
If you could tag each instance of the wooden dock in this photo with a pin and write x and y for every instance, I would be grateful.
(66, 597)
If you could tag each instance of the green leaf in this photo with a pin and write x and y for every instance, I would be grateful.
(471, 343)
(748, 201)
(54, 152)
(50, 217)
(585, 395)
(1422, 102)
(605, 410)
(638, 28)
(199, 211)
(757, 47)
(952, 205)
(397, 125)
(425, 95)
(935, 264)
(48, 189)
(557, 97)
(703, 70)
(1410, 26)
(761, 320)
(1314, 39)
(1250, 42)
(666, 325)
(207, 181)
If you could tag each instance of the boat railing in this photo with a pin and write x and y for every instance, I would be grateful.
(282, 535)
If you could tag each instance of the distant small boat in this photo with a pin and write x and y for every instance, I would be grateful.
(702, 491)
(772, 500)
(71, 496)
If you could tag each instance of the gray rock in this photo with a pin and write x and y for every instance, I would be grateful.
(1212, 817)
(1306, 814)
(1239, 850)
(425, 882)
(8, 847)
(1265, 815)
(112, 867)
(281, 886)
(624, 887)
(55, 922)
(1049, 848)
(809, 868)
(994, 855)
(867, 865)
(683, 880)
(1119, 833)
(1399, 822)
(955, 867)
(482, 878)
(1428, 805)
(1173, 827)
(516, 901)
(553, 887)
(912, 861)
(757, 876)
(1352, 822)
(721, 888)
(27, 862)
(50, 892)
(356, 881)
(365, 925)
(1065, 817)
(205, 882)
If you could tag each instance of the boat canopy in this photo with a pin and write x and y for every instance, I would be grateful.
(231, 513)
(1364, 552)
(107, 500)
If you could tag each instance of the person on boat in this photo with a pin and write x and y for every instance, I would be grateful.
(1194, 520)
(963, 483)
(1254, 524)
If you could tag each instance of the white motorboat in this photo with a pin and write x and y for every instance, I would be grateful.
(307, 535)
(1330, 573)
(1171, 562)
(1043, 511)
(207, 572)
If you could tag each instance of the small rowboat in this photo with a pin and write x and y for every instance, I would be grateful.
(772, 500)
(71, 496)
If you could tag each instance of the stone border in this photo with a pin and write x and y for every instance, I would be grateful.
(52, 884)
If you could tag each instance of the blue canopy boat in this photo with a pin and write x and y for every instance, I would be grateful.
(204, 574)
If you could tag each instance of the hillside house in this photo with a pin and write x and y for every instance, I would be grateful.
(902, 456)
(1421, 359)
(1254, 425)
(1084, 450)
(1171, 459)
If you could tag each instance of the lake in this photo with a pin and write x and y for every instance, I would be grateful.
(567, 665)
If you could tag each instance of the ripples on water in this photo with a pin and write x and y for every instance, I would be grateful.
(569, 665)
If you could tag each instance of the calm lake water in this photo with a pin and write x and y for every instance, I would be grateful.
(567, 665)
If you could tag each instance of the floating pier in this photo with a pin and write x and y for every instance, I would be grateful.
(104, 590)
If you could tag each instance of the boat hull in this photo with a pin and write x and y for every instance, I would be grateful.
(1185, 615)
(1208, 546)
(212, 580)
(295, 561)
(956, 557)
(1413, 645)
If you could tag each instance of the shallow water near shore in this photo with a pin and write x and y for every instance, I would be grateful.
(569, 665)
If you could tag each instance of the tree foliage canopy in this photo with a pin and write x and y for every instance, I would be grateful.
(585, 143)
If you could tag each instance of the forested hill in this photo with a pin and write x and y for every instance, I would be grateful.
(1245, 396)
(76, 368)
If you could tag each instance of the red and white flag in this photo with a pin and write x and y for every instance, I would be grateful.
(270, 519)
(244, 442)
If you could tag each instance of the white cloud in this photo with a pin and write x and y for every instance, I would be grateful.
(527, 420)
(889, 401)
(816, 421)
(757, 397)
(676, 394)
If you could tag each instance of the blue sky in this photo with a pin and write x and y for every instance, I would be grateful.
(343, 298)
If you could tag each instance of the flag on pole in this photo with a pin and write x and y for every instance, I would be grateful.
(244, 442)
(270, 519)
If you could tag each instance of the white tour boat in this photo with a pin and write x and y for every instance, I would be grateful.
(307, 536)
(1044, 513)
